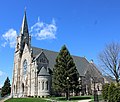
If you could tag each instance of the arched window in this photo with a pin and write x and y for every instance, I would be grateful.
(24, 67)
(43, 85)
(22, 87)
(17, 46)
(39, 85)
(46, 85)
(14, 88)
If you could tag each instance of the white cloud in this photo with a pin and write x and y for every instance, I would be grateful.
(4, 44)
(1, 73)
(39, 30)
(1, 85)
(10, 38)
(42, 31)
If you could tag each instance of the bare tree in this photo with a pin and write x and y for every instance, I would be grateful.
(110, 58)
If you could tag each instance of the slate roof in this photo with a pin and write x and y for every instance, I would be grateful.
(81, 63)
(95, 72)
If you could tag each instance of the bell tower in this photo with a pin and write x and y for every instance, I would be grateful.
(22, 39)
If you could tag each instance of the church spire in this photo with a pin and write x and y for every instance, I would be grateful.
(24, 37)
(24, 28)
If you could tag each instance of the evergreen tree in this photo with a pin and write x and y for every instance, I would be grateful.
(65, 74)
(6, 89)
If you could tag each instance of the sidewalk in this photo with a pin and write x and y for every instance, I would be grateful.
(4, 99)
(87, 100)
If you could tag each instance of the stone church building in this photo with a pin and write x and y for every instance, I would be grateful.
(33, 66)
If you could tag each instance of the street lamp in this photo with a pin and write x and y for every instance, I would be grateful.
(68, 88)
(80, 84)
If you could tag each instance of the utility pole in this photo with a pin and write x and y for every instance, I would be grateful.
(68, 89)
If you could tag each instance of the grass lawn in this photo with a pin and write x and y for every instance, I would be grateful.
(72, 98)
(60, 99)
(99, 98)
(26, 100)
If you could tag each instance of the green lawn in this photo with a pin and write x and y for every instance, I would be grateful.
(60, 99)
(72, 98)
(27, 100)
(99, 98)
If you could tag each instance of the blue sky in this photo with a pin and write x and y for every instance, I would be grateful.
(85, 26)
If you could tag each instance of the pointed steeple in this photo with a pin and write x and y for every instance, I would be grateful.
(24, 28)
(24, 37)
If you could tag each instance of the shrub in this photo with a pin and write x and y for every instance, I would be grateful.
(111, 92)
(105, 91)
(116, 95)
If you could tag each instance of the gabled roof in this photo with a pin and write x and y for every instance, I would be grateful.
(81, 63)
(40, 55)
(44, 72)
(96, 73)
(51, 56)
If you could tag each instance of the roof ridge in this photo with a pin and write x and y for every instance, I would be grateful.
(81, 63)
(44, 49)
(58, 52)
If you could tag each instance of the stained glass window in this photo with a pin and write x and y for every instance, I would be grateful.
(24, 67)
